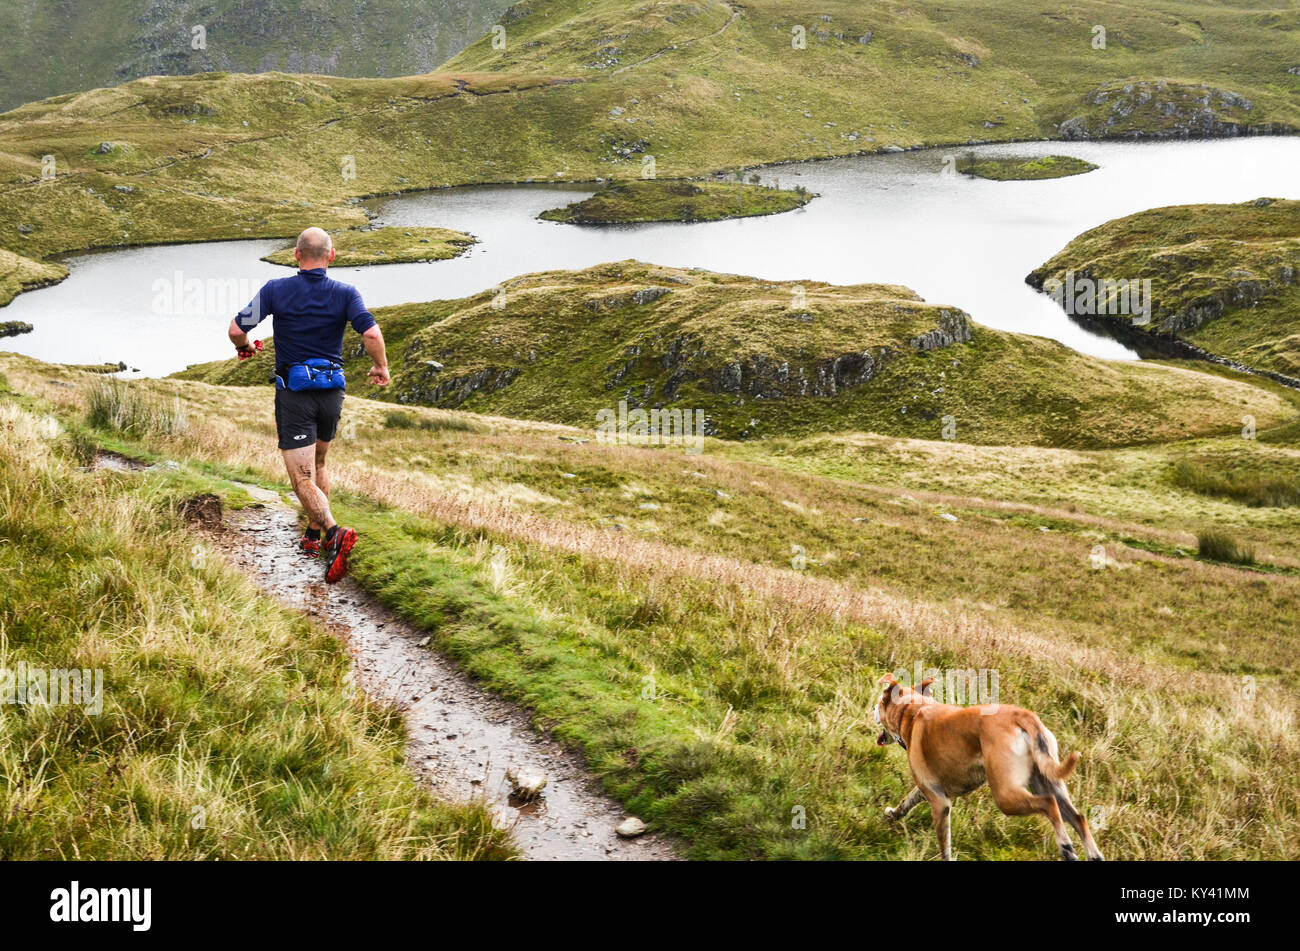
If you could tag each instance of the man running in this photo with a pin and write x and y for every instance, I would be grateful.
(311, 312)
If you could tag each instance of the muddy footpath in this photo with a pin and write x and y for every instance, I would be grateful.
(464, 743)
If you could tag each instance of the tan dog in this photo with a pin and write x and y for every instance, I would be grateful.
(954, 750)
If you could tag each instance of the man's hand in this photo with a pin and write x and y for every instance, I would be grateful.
(248, 350)
(374, 343)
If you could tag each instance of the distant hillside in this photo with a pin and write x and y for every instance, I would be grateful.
(1225, 278)
(48, 48)
(764, 358)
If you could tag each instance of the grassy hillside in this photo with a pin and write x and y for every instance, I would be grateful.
(127, 39)
(1224, 277)
(18, 274)
(226, 730)
(387, 246)
(763, 358)
(587, 90)
(708, 628)
(650, 200)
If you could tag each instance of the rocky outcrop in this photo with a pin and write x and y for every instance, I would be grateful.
(759, 376)
(954, 327)
(638, 298)
(455, 390)
(1162, 109)
(1236, 288)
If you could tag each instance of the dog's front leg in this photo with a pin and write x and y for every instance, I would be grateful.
(910, 801)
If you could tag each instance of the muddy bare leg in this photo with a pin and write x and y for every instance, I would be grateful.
(321, 478)
(301, 466)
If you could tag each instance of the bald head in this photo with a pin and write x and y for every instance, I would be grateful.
(314, 248)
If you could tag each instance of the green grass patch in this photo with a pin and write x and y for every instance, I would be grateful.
(1021, 170)
(656, 200)
(645, 609)
(399, 245)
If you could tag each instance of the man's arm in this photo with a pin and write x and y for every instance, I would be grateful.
(246, 320)
(373, 339)
(237, 336)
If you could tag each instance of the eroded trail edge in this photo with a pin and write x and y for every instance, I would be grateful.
(462, 740)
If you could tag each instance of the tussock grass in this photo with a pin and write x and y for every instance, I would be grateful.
(394, 419)
(1250, 488)
(1221, 546)
(761, 700)
(115, 405)
(228, 728)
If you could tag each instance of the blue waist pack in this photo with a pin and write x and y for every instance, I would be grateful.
(314, 374)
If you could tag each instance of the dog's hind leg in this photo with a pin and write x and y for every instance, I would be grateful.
(941, 815)
(1075, 818)
(910, 802)
(1015, 801)
(1008, 776)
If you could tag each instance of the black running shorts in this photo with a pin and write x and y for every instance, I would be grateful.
(304, 416)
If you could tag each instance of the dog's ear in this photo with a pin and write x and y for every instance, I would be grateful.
(927, 687)
(888, 679)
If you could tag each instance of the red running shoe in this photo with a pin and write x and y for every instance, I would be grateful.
(336, 553)
(309, 546)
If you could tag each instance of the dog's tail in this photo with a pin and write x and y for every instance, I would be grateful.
(1042, 746)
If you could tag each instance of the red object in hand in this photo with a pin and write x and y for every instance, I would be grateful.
(256, 348)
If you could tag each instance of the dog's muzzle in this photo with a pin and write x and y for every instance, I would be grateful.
(886, 738)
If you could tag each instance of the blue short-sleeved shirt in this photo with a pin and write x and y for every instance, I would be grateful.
(311, 313)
